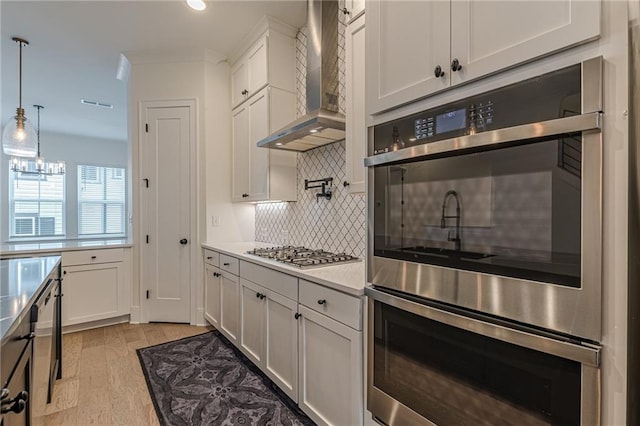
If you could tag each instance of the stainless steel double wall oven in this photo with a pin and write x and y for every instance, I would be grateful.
(484, 257)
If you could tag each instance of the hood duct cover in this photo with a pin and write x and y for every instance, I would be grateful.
(323, 123)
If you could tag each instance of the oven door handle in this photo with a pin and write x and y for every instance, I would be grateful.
(578, 123)
(583, 353)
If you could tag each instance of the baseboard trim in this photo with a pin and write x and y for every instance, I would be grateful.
(95, 324)
(135, 315)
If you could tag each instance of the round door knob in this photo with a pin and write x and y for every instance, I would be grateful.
(438, 71)
(455, 65)
(184, 241)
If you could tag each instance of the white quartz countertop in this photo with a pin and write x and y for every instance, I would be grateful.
(25, 248)
(347, 277)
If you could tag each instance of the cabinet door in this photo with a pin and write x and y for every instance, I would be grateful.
(355, 126)
(230, 306)
(93, 292)
(259, 157)
(241, 152)
(257, 66)
(281, 343)
(239, 82)
(252, 315)
(354, 8)
(212, 296)
(406, 41)
(330, 363)
(487, 36)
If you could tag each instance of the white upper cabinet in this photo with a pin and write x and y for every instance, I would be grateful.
(353, 9)
(261, 174)
(487, 36)
(405, 41)
(269, 60)
(356, 126)
(466, 39)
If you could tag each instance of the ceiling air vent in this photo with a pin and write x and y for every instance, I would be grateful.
(95, 103)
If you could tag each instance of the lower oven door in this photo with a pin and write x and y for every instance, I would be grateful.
(429, 366)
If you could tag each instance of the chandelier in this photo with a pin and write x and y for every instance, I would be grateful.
(18, 136)
(39, 167)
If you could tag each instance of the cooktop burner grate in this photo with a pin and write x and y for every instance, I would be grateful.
(303, 257)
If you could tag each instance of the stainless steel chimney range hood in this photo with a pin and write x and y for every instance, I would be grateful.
(323, 124)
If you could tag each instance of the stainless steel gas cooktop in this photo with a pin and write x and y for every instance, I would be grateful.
(303, 257)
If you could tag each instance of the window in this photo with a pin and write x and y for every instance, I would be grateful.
(36, 205)
(101, 201)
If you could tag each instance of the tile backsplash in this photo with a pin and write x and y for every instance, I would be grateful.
(337, 225)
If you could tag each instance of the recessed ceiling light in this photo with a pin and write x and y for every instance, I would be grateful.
(197, 4)
(278, 143)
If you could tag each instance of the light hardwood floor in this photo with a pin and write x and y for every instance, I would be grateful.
(102, 382)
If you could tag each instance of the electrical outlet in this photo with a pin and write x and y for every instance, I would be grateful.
(215, 220)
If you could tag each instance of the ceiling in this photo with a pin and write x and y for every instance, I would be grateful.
(75, 46)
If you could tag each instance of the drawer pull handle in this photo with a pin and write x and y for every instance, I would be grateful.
(209, 257)
(94, 257)
(322, 302)
(226, 264)
(297, 315)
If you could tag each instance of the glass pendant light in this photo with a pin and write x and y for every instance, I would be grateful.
(19, 137)
(39, 167)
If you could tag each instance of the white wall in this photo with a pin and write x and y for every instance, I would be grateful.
(203, 76)
(73, 150)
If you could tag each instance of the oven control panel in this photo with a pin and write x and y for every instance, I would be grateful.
(537, 99)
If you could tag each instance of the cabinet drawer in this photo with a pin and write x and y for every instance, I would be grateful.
(88, 257)
(278, 282)
(211, 257)
(230, 264)
(339, 306)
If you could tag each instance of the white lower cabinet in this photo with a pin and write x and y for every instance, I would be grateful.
(230, 306)
(305, 337)
(212, 286)
(330, 370)
(269, 334)
(95, 285)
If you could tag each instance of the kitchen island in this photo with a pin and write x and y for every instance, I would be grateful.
(22, 281)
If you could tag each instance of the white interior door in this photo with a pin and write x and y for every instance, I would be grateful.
(165, 246)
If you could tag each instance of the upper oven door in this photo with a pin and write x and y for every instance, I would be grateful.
(506, 220)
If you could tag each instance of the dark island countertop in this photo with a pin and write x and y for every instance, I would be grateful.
(21, 281)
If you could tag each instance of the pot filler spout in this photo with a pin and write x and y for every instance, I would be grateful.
(323, 123)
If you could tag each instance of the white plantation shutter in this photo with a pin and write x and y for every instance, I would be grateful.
(36, 205)
(101, 201)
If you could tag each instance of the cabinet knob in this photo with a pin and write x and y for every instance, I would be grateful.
(345, 184)
(346, 11)
(94, 257)
(245, 92)
(19, 403)
(226, 264)
(297, 315)
(209, 257)
(455, 65)
(438, 71)
(322, 302)
(184, 241)
(245, 195)
(64, 273)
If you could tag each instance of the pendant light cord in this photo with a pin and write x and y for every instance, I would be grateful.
(20, 43)
(38, 107)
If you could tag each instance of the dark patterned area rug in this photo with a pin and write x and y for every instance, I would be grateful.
(205, 380)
